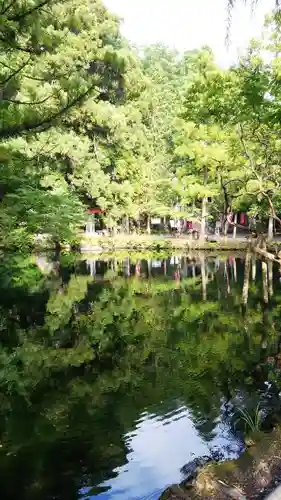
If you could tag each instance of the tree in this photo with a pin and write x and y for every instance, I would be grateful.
(42, 87)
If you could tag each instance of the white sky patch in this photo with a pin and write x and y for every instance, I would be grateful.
(189, 24)
(158, 448)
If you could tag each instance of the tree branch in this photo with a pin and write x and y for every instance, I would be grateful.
(29, 103)
(7, 7)
(14, 46)
(272, 209)
(249, 156)
(19, 17)
(233, 180)
(37, 79)
(46, 122)
(3, 82)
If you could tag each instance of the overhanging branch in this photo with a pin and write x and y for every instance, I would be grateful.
(46, 122)
(22, 15)
(16, 72)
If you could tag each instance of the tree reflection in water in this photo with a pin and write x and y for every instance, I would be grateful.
(115, 372)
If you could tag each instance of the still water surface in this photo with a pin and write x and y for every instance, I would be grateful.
(117, 372)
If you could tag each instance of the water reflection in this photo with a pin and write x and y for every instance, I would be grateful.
(157, 449)
(174, 267)
(115, 372)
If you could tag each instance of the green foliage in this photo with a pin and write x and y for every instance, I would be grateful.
(88, 120)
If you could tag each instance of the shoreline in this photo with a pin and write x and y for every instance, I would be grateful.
(256, 474)
(97, 244)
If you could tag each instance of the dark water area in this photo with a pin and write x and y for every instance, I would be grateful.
(116, 372)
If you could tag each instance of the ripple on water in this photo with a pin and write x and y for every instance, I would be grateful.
(158, 447)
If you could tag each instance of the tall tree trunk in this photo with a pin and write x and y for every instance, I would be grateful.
(265, 328)
(245, 291)
(185, 267)
(204, 277)
(127, 224)
(204, 214)
(193, 207)
(204, 206)
(149, 267)
(270, 277)
(193, 270)
(148, 225)
(264, 281)
(92, 265)
(227, 277)
(127, 267)
(225, 227)
(235, 225)
(270, 228)
(234, 270)
(254, 268)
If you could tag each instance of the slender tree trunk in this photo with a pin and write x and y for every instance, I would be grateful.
(266, 328)
(149, 267)
(127, 224)
(264, 281)
(204, 206)
(92, 265)
(270, 277)
(193, 270)
(127, 267)
(235, 226)
(270, 228)
(185, 267)
(254, 268)
(225, 229)
(204, 214)
(234, 270)
(245, 291)
(148, 225)
(227, 277)
(165, 224)
(204, 277)
(193, 207)
(225, 222)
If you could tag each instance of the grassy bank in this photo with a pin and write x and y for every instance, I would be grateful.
(152, 243)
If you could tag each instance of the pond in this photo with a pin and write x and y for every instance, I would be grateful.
(117, 371)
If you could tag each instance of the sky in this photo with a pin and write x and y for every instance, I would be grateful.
(189, 24)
